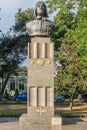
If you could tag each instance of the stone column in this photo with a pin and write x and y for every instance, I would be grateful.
(40, 76)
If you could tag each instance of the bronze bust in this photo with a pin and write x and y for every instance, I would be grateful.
(40, 26)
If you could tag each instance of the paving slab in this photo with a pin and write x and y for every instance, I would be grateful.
(68, 124)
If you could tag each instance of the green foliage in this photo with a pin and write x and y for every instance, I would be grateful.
(16, 92)
(21, 18)
(70, 40)
(10, 114)
(6, 95)
(13, 46)
(18, 101)
(64, 19)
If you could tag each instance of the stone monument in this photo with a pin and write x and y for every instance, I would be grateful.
(40, 104)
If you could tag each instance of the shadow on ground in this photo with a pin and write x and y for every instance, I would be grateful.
(66, 121)
(8, 119)
(71, 121)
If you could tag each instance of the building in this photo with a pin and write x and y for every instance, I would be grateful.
(17, 82)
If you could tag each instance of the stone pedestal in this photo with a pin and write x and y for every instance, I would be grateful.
(40, 104)
(40, 77)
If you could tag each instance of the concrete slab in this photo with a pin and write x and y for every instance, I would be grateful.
(68, 124)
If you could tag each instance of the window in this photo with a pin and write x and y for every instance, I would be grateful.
(12, 85)
(21, 84)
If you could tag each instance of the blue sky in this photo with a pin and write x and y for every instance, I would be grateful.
(8, 10)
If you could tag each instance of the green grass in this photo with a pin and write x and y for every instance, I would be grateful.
(16, 110)
(79, 110)
(13, 110)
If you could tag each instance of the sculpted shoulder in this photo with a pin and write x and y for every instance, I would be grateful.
(30, 23)
(40, 27)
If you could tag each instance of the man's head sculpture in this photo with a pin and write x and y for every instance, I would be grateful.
(41, 5)
(40, 26)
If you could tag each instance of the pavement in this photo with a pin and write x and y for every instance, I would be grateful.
(7, 123)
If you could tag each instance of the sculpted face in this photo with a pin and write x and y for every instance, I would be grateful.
(40, 9)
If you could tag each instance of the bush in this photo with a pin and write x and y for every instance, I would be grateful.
(18, 101)
(16, 92)
(18, 114)
(6, 95)
(4, 100)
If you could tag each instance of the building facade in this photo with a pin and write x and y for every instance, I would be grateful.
(17, 82)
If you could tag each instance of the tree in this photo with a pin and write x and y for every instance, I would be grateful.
(72, 53)
(11, 56)
(16, 92)
(13, 47)
(6, 95)
(63, 19)
(21, 18)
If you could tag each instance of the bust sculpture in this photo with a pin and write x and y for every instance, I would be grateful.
(40, 26)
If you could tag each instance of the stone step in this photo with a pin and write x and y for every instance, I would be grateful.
(34, 121)
(25, 119)
(35, 127)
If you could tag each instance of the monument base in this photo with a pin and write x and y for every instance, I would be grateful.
(28, 123)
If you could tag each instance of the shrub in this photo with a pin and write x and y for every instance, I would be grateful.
(18, 101)
(6, 95)
(16, 92)
(4, 100)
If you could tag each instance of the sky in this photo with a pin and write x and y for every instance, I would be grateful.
(8, 10)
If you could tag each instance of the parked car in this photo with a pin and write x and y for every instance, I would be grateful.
(22, 97)
(59, 99)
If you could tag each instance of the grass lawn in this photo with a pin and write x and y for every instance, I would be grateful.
(12, 109)
(79, 110)
(15, 110)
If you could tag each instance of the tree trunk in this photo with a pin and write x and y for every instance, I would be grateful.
(71, 104)
(15, 66)
(72, 97)
(4, 85)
